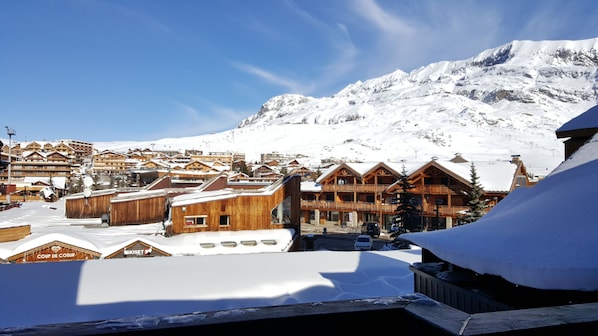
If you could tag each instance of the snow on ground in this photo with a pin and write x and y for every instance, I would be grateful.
(132, 289)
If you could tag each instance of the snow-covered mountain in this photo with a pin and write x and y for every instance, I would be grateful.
(504, 101)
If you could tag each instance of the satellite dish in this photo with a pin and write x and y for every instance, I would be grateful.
(86, 192)
(88, 181)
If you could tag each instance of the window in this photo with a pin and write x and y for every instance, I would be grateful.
(224, 220)
(229, 243)
(196, 220)
(281, 213)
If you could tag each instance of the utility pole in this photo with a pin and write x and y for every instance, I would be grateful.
(10, 133)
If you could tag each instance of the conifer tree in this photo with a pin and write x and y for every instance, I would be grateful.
(476, 204)
(407, 213)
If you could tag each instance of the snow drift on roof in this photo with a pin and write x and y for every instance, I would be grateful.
(541, 237)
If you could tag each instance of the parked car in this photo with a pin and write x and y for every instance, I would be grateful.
(363, 243)
(371, 228)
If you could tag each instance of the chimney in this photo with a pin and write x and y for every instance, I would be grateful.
(515, 158)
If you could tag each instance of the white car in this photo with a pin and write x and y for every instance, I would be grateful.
(363, 243)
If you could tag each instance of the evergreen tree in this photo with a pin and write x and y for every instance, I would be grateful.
(407, 212)
(476, 204)
(317, 174)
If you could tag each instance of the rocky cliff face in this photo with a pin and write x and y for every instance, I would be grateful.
(516, 95)
(504, 101)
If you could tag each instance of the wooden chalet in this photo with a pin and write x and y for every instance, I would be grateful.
(136, 248)
(263, 170)
(447, 279)
(54, 247)
(306, 173)
(220, 207)
(349, 194)
(59, 172)
(94, 206)
(109, 163)
(442, 187)
(141, 207)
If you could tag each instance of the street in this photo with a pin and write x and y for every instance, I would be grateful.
(335, 241)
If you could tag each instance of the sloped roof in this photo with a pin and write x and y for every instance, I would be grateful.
(493, 175)
(585, 121)
(542, 237)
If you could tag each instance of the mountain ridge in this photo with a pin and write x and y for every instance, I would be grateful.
(504, 101)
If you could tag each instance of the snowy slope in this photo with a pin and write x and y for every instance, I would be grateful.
(503, 101)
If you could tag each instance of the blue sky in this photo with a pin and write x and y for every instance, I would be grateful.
(137, 70)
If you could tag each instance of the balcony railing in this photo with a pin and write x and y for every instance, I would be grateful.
(439, 190)
(348, 206)
(444, 210)
(429, 210)
(364, 188)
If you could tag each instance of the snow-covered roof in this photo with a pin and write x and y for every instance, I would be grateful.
(38, 239)
(57, 181)
(141, 194)
(588, 119)
(310, 186)
(542, 237)
(493, 175)
(132, 291)
(101, 192)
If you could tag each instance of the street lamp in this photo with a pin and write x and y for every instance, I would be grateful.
(10, 133)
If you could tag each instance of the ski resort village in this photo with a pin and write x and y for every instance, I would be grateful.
(144, 204)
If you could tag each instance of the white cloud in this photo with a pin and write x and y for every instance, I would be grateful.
(288, 83)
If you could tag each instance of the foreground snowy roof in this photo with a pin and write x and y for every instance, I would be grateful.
(131, 291)
(542, 237)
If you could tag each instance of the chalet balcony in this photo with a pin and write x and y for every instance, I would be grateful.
(429, 210)
(356, 188)
(439, 190)
(347, 206)
(444, 210)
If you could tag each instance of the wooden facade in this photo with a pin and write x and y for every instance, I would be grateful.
(351, 194)
(54, 251)
(349, 197)
(98, 204)
(137, 249)
(273, 207)
(138, 208)
(14, 233)
(578, 130)
(109, 162)
(22, 169)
